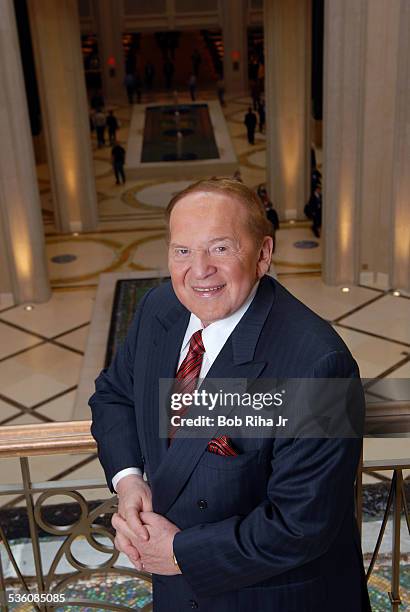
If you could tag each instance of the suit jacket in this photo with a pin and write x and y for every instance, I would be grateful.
(272, 529)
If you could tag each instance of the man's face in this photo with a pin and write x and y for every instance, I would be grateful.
(213, 258)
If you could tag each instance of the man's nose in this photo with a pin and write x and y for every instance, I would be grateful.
(202, 265)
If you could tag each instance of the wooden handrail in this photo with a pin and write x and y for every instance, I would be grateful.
(387, 418)
(46, 439)
(75, 437)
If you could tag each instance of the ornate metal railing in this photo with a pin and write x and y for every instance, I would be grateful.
(58, 438)
(74, 437)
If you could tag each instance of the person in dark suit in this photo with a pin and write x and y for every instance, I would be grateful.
(225, 523)
(118, 161)
(250, 121)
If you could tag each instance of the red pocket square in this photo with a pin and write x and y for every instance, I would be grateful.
(222, 446)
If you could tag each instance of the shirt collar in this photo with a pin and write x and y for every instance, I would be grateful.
(216, 334)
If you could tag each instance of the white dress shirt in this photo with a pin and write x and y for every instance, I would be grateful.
(214, 337)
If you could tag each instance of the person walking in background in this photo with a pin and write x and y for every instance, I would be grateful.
(250, 122)
(220, 90)
(118, 160)
(262, 115)
(313, 210)
(113, 126)
(100, 121)
(315, 179)
(192, 84)
(255, 94)
(271, 213)
(317, 211)
(129, 83)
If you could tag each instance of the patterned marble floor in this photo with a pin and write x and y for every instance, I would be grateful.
(42, 348)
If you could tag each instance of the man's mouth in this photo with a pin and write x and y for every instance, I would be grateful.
(208, 291)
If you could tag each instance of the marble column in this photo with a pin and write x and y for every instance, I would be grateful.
(399, 264)
(287, 34)
(56, 40)
(366, 118)
(23, 265)
(109, 24)
(235, 39)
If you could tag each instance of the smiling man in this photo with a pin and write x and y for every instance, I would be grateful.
(228, 524)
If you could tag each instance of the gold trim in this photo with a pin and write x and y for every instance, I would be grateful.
(131, 249)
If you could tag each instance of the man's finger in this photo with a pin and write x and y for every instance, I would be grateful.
(124, 545)
(150, 518)
(135, 524)
(121, 526)
(147, 503)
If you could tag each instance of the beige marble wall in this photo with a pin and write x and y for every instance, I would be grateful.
(400, 255)
(5, 276)
(366, 144)
(60, 75)
(380, 57)
(22, 252)
(287, 90)
(342, 112)
(234, 31)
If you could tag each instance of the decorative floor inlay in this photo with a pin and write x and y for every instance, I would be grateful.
(306, 244)
(62, 259)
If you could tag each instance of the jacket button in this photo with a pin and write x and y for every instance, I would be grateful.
(202, 504)
(142, 458)
(193, 603)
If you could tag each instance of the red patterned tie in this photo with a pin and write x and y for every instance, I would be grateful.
(188, 374)
(186, 382)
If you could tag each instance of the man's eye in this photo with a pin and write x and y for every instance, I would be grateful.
(181, 252)
(220, 250)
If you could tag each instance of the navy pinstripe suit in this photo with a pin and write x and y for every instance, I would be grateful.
(272, 529)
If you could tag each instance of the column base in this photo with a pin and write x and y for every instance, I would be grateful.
(378, 280)
(6, 300)
(291, 213)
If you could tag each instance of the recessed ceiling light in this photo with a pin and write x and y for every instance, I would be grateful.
(29, 307)
(396, 293)
(345, 289)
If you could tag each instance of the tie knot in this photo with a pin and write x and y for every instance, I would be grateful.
(195, 344)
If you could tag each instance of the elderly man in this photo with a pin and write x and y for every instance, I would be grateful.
(228, 524)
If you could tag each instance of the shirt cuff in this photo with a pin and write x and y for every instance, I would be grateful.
(122, 473)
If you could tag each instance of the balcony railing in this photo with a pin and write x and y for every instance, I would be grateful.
(383, 419)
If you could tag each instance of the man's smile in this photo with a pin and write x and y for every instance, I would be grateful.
(206, 292)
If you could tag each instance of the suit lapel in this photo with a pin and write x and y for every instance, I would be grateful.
(168, 334)
(235, 361)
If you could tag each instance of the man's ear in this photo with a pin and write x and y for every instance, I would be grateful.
(265, 256)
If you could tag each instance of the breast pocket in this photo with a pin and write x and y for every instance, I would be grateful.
(231, 485)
